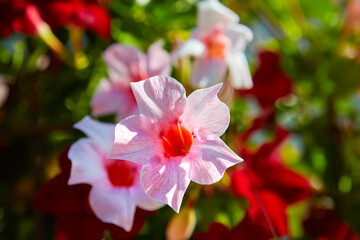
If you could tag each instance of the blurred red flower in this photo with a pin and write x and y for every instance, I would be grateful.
(70, 204)
(270, 82)
(86, 14)
(324, 224)
(268, 185)
(246, 229)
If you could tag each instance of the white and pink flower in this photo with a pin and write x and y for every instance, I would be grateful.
(176, 138)
(127, 64)
(116, 189)
(218, 44)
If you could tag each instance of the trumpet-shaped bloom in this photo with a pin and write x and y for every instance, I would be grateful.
(116, 188)
(175, 138)
(125, 65)
(218, 43)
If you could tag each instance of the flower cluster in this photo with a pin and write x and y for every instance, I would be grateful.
(150, 136)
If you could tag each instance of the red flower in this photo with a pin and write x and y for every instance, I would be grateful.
(324, 224)
(268, 185)
(87, 14)
(75, 219)
(246, 229)
(270, 82)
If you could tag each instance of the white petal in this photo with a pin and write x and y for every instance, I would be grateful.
(207, 72)
(87, 163)
(209, 159)
(240, 36)
(102, 133)
(113, 205)
(205, 115)
(191, 47)
(212, 13)
(239, 70)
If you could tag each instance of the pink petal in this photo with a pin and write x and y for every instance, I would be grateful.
(209, 159)
(113, 205)
(166, 182)
(102, 133)
(143, 200)
(136, 139)
(86, 165)
(158, 60)
(109, 99)
(160, 98)
(212, 13)
(124, 63)
(239, 69)
(207, 72)
(205, 114)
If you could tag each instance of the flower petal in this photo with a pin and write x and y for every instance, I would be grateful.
(142, 200)
(124, 64)
(109, 100)
(239, 69)
(209, 159)
(240, 36)
(205, 114)
(212, 12)
(136, 139)
(86, 165)
(191, 47)
(166, 182)
(207, 72)
(113, 205)
(160, 98)
(158, 60)
(102, 133)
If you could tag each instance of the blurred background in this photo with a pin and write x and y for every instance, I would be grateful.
(44, 91)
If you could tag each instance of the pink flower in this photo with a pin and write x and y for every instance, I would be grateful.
(175, 138)
(125, 65)
(218, 43)
(116, 188)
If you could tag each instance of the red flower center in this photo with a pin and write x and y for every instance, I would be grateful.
(177, 140)
(122, 173)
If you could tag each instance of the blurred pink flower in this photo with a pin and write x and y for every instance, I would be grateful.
(175, 138)
(116, 189)
(218, 43)
(125, 65)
